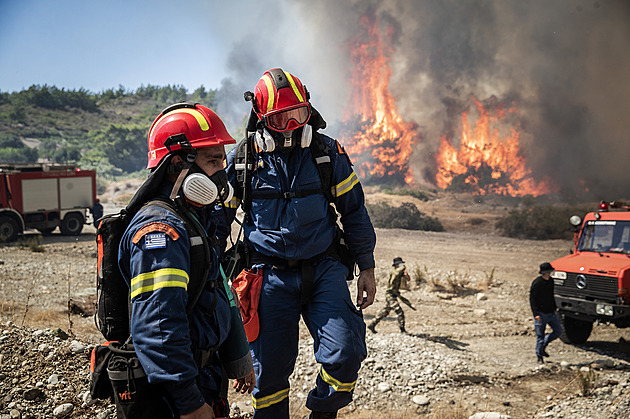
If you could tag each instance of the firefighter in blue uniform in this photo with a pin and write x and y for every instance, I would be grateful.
(184, 355)
(291, 233)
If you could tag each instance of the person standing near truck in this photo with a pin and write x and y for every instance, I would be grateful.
(398, 279)
(544, 310)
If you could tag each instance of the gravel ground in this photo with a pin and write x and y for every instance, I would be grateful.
(467, 352)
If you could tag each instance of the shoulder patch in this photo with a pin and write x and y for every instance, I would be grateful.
(163, 228)
(342, 151)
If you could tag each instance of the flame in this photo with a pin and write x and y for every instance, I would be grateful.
(487, 162)
(374, 133)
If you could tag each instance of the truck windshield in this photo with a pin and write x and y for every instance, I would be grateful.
(605, 236)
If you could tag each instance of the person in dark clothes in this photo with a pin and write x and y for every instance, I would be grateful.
(544, 309)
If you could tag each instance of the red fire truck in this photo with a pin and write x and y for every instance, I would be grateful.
(591, 284)
(45, 196)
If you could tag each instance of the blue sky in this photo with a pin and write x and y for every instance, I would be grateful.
(100, 45)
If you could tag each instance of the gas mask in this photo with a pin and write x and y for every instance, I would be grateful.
(202, 189)
(270, 140)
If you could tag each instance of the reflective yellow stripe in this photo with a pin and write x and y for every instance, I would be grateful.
(267, 401)
(336, 384)
(203, 124)
(295, 89)
(345, 186)
(270, 94)
(161, 278)
(232, 203)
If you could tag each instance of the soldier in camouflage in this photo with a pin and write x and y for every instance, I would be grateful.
(398, 279)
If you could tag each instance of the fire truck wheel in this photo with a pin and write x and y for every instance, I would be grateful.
(72, 224)
(9, 229)
(575, 331)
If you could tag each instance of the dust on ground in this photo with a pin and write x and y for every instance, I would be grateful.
(488, 324)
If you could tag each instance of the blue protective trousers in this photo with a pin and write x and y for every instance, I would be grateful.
(337, 329)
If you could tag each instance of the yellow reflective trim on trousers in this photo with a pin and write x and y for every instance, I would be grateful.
(203, 124)
(336, 384)
(232, 203)
(267, 401)
(151, 281)
(270, 95)
(345, 186)
(295, 89)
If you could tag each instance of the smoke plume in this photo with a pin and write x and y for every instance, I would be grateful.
(562, 64)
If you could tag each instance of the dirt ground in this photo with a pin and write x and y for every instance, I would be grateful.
(489, 318)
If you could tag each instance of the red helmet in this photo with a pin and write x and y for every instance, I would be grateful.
(281, 101)
(185, 125)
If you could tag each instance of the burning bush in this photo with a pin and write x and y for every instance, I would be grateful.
(406, 216)
(540, 222)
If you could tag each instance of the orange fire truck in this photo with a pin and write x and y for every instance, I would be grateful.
(591, 284)
(45, 196)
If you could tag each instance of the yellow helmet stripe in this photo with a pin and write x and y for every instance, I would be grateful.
(203, 124)
(295, 89)
(269, 83)
(277, 397)
(336, 384)
(151, 281)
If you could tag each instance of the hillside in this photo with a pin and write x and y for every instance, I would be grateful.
(104, 131)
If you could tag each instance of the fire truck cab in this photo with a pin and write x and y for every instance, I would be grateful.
(46, 196)
(591, 284)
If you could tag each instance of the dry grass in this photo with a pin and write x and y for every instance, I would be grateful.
(586, 380)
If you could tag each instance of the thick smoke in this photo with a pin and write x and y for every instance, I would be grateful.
(563, 64)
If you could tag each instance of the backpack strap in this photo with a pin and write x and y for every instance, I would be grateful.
(321, 156)
(243, 165)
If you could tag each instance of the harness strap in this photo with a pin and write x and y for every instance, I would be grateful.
(306, 266)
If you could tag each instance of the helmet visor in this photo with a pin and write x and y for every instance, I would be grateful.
(289, 120)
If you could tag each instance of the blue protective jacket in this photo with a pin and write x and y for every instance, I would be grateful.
(298, 228)
(154, 257)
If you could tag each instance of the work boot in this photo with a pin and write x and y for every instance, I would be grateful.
(540, 360)
(544, 353)
(372, 327)
(322, 415)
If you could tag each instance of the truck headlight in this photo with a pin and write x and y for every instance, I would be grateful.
(604, 309)
(559, 275)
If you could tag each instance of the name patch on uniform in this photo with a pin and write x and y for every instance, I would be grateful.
(155, 228)
(155, 241)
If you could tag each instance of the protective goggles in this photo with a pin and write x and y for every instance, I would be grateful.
(288, 120)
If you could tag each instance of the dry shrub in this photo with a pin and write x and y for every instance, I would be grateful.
(454, 410)
(587, 381)
(8, 308)
(451, 281)
(419, 275)
(33, 242)
(488, 281)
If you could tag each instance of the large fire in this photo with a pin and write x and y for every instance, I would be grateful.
(381, 143)
(486, 162)
(374, 133)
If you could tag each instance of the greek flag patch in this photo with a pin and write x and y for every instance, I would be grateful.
(155, 241)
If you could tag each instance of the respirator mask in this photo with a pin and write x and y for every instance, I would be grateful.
(270, 140)
(197, 186)
(202, 189)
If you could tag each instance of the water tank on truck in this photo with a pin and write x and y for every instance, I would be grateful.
(46, 196)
